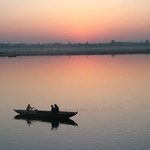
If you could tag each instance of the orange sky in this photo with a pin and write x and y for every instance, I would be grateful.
(74, 20)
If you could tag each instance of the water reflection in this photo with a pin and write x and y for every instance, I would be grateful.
(54, 122)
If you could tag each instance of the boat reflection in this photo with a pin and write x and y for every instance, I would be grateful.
(54, 122)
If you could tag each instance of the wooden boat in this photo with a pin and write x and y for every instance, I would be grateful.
(45, 114)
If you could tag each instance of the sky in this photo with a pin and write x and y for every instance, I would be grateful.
(33, 21)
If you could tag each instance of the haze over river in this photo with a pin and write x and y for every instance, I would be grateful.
(110, 93)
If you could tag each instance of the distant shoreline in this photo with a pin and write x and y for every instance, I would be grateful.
(71, 52)
(14, 50)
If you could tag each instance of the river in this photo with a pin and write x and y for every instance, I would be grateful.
(110, 93)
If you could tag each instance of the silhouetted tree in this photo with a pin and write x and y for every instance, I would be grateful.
(146, 41)
(113, 42)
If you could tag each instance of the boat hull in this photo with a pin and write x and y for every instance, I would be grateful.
(45, 114)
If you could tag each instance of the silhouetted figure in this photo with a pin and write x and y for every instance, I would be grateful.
(56, 108)
(52, 109)
(29, 108)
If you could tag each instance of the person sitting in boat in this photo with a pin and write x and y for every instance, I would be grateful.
(56, 108)
(29, 108)
(52, 109)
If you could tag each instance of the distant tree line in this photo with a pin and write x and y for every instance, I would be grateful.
(69, 44)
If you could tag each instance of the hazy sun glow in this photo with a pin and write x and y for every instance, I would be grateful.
(74, 20)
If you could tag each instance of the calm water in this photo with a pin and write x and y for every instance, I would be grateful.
(111, 94)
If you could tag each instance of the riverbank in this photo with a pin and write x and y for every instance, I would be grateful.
(107, 50)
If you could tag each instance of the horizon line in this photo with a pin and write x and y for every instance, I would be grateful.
(67, 43)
